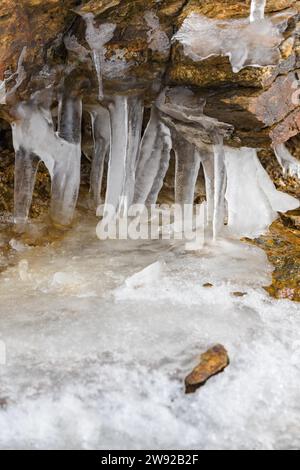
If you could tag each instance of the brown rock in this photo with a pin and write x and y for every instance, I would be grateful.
(214, 361)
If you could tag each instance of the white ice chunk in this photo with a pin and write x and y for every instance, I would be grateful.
(253, 201)
(34, 139)
(289, 164)
(18, 246)
(246, 44)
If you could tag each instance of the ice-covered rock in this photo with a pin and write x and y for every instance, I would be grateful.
(158, 40)
(255, 43)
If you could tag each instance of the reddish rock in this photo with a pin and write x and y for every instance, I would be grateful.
(214, 361)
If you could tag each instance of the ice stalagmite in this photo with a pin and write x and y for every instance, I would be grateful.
(96, 38)
(253, 201)
(101, 138)
(220, 181)
(66, 172)
(153, 160)
(289, 164)
(257, 10)
(126, 118)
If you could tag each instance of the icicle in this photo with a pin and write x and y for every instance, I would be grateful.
(220, 186)
(253, 201)
(257, 10)
(187, 169)
(19, 77)
(101, 137)
(126, 117)
(97, 37)
(153, 160)
(289, 164)
(34, 137)
(66, 172)
(26, 165)
(207, 159)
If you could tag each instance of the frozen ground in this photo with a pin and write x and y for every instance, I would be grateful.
(97, 359)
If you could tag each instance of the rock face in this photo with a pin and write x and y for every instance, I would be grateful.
(261, 103)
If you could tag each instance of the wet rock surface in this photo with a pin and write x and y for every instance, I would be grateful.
(214, 361)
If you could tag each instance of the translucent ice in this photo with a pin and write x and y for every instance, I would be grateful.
(187, 169)
(19, 76)
(253, 201)
(97, 37)
(107, 372)
(126, 117)
(289, 164)
(220, 182)
(157, 39)
(246, 44)
(257, 10)
(34, 139)
(153, 160)
(147, 276)
(101, 137)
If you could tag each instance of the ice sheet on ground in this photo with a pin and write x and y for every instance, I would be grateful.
(107, 372)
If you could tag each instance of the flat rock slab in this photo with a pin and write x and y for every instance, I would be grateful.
(214, 361)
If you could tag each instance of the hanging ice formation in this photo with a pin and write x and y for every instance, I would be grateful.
(126, 118)
(96, 38)
(18, 76)
(239, 193)
(246, 43)
(257, 10)
(253, 201)
(289, 164)
(153, 160)
(35, 140)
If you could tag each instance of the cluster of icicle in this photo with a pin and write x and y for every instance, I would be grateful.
(238, 189)
(252, 41)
